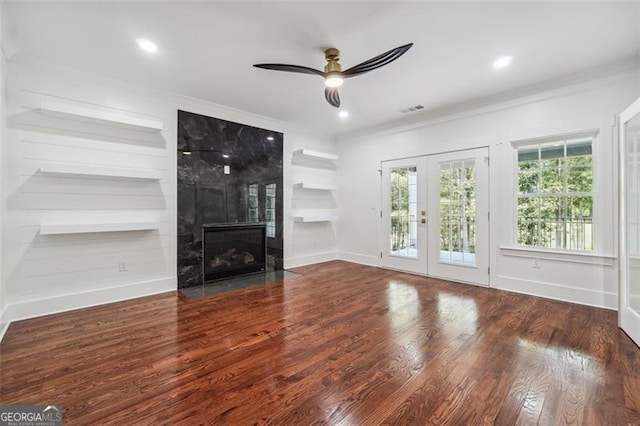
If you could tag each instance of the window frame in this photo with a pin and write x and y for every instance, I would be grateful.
(257, 208)
(564, 137)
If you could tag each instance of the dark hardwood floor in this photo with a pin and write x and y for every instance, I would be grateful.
(342, 344)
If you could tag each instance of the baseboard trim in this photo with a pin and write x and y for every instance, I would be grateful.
(67, 302)
(359, 258)
(563, 293)
(294, 262)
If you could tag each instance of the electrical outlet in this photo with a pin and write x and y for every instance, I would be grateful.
(122, 267)
(536, 263)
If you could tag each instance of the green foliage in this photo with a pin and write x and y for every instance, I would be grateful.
(400, 208)
(555, 202)
(457, 209)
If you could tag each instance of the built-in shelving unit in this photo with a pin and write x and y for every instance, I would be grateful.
(86, 228)
(314, 218)
(314, 186)
(109, 118)
(99, 171)
(314, 159)
(315, 155)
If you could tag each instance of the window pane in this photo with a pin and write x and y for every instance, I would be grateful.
(552, 179)
(550, 222)
(270, 209)
(404, 214)
(252, 204)
(580, 207)
(552, 151)
(579, 148)
(579, 179)
(528, 181)
(555, 208)
(457, 212)
(528, 220)
(528, 154)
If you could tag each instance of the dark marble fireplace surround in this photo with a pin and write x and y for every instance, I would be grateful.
(207, 195)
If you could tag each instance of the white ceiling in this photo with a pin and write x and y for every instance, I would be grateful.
(207, 49)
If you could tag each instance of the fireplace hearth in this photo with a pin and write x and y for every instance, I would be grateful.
(232, 249)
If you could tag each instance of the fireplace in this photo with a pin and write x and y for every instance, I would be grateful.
(233, 249)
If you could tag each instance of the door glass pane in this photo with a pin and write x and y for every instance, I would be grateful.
(404, 212)
(632, 143)
(458, 212)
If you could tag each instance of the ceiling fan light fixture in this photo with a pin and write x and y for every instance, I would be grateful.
(333, 79)
(333, 74)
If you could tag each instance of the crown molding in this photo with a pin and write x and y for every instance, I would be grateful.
(184, 102)
(573, 83)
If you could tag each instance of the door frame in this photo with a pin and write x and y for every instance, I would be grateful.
(383, 236)
(625, 317)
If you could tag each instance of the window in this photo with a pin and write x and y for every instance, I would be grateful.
(252, 205)
(270, 209)
(404, 211)
(458, 212)
(555, 194)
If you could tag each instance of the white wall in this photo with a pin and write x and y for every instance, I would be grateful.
(50, 273)
(582, 106)
(4, 321)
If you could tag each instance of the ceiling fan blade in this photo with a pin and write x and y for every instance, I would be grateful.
(377, 62)
(290, 68)
(332, 96)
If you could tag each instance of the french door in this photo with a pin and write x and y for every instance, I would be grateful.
(403, 215)
(434, 216)
(458, 188)
(629, 312)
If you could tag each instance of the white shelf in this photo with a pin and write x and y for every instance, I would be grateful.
(311, 219)
(85, 228)
(316, 155)
(317, 186)
(112, 118)
(98, 171)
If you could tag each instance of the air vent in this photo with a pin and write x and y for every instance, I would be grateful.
(412, 109)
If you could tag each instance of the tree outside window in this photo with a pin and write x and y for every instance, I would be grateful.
(555, 195)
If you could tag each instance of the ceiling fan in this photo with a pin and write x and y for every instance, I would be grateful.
(333, 74)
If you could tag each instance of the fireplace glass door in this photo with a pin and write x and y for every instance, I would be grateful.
(233, 249)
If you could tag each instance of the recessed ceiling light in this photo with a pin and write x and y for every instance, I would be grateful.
(343, 114)
(186, 153)
(269, 138)
(147, 45)
(502, 62)
(225, 155)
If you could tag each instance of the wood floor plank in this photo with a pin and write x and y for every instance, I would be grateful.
(340, 344)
